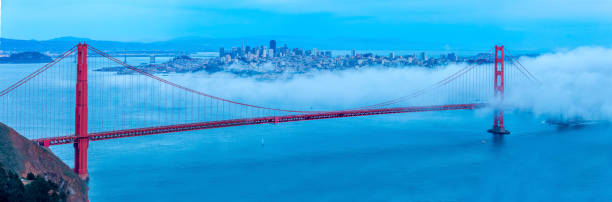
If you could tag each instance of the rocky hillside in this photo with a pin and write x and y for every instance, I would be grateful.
(23, 156)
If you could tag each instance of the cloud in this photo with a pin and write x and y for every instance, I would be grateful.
(320, 89)
(574, 83)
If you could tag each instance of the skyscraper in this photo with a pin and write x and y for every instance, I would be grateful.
(221, 52)
(423, 56)
(273, 45)
(452, 57)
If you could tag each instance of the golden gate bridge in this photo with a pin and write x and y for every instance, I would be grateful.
(105, 106)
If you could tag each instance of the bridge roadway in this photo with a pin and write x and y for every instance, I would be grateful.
(251, 121)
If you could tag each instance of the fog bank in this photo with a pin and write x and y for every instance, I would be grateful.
(573, 83)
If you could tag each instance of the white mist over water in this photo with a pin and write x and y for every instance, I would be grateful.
(321, 89)
(573, 83)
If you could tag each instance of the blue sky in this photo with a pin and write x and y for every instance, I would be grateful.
(529, 24)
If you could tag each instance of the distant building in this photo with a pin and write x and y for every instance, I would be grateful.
(353, 53)
(423, 56)
(327, 54)
(270, 52)
(286, 49)
(298, 51)
(152, 59)
(273, 44)
(256, 52)
(314, 51)
(221, 52)
(452, 57)
(392, 55)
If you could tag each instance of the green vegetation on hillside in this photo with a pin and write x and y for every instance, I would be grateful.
(38, 189)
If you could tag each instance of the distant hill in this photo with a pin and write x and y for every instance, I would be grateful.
(58, 45)
(199, 44)
(26, 57)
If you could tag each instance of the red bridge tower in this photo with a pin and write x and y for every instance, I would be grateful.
(498, 88)
(80, 120)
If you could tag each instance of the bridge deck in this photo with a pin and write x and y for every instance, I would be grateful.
(250, 121)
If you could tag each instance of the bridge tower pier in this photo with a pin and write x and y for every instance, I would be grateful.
(498, 88)
(82, 141)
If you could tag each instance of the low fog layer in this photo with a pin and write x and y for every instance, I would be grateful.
(573, 83)
(319, 90)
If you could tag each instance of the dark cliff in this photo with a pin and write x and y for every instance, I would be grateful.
(23, 156)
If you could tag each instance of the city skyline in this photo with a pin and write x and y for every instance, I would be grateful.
(273, 51)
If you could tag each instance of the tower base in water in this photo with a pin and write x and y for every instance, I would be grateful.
(498, 131)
